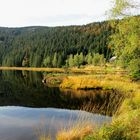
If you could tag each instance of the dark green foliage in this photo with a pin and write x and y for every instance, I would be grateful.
(58, 46)
(34, 46)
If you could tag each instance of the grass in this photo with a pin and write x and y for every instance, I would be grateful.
(83, 70)
(126, 122)
(58, 70)
(80, 82)
(73, 130)
(108, 81)
(76, 133)
(77, 130)
(123, 127)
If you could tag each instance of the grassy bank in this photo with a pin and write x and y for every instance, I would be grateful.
(126, 122)
(83, 70)
(108, 81)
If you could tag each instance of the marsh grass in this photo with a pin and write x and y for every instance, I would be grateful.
(87, 69)
(117, 82)
(126, 120)
(80, 82)
(57, 70)
(77, 130)
(76, 133)
(40, 130)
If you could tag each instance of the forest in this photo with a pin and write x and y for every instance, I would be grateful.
(69, 46)
(53, 46)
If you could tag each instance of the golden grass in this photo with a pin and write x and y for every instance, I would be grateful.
(34, 69)
(77, 130)
(76, 133)
(108, 81)
(73, 130)
(79, 82)
(83, 70)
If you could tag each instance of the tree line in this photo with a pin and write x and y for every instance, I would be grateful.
(43, 46)
(74, 60)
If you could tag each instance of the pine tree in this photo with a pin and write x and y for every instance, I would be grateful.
(71, 61)
(81, 58)
(47, 61)
(76, 60)
(54, 61)
(89, 58)
(59, 62)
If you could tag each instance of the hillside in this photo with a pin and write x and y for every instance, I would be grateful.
(30, 46)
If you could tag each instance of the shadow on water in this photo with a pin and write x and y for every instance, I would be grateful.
(23, 88)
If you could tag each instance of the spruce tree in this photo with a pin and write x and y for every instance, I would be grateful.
(71, 60)
(81, 58)
(54, 61)
(89, 58)
(47, 61)
(76, 60)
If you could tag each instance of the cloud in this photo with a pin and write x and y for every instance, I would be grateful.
(59, 20)
(51, 12)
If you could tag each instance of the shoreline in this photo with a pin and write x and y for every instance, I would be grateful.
(33, 69)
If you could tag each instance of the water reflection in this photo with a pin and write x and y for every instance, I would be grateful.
(22, 88)
(20, 123)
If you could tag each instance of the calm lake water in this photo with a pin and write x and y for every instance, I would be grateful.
(28, 107)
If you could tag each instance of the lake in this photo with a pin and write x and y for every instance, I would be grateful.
(28, 107)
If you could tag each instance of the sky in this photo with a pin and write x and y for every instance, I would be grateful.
(19, 13)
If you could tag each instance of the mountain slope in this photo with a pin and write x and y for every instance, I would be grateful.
(31, 45)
